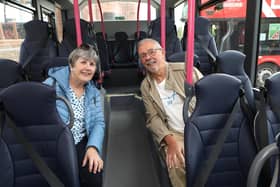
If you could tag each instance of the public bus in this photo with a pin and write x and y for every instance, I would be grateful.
(130, 154)
(228, 28)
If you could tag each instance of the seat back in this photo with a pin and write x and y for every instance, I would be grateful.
(69, 41)
(272, 86)
(10, 73)
(103, 53)
(32, 107)
(121, 49)
(180, 57)
(205, 39)
(172, 42)
(267, 122)
(36, 49)
(55, 63)
(142, 35)
(216, 95)
(232, 62)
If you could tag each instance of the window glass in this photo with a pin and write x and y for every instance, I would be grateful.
(11, 30)
(27, 3)
(180, 13)
(118, 11)
(227, 23)
(269, 44)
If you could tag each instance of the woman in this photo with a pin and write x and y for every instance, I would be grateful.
(74, 83)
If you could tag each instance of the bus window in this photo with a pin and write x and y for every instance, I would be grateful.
(180, 13)
(12, 33)
(269, 47)
(227, 23)
(117, 11)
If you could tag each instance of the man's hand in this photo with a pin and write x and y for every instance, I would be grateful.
(174, 153)
(95, 163)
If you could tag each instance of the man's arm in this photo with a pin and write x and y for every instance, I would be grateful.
(153, 122)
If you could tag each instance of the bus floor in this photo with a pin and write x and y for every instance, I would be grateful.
(128, 160)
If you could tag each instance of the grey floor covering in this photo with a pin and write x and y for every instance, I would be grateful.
(128, 160)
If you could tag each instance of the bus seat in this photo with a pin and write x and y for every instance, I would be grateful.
(103, 53)
(142, 35)
(36, 49)
(180, 57)
(205, 39)
(122, 50)
(55, 63)
(216, 95)
(69, 41)
(268, 153)
(172, 42)
(232, 62)
(10, 73)
(272, 85)
(267, 123)
(43, 128)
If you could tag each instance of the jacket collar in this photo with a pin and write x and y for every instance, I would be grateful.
(61, 75)
(170, 82)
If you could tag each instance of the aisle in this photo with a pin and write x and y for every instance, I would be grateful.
(128, 161)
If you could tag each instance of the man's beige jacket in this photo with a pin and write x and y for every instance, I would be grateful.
(157, 119)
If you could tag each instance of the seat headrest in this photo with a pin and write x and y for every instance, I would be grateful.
(202, 26)
(11, 72)
(120, 36)
(30, 103)
(169, 25)
(100, 35)
(57, 62)
(142, 35)
(231, 62)
(272, 84)
(69, 29)
(216, 88)
(180, 57)
(36, 30)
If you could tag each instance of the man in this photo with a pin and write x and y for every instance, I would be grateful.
(163, 95)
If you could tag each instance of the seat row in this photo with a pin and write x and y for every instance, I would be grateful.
(230, 124)
(39, 47)
(217, 95)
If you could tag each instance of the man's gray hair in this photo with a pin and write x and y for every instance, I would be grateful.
(141, 42)
(84, 51)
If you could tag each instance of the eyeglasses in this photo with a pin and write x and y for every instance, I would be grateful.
(150, 52)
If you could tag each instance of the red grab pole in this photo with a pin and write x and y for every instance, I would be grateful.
(162, 23)
(77, 22)
(190, 41)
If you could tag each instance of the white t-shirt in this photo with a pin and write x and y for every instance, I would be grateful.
(173, 105)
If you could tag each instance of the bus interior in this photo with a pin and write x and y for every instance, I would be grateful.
(236, 42)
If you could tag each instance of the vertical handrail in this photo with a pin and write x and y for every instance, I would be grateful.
(90, 11)
(149, 11)
(190, 41)
(137, 22)
(77, 22)
(162, 23)
(102, 20)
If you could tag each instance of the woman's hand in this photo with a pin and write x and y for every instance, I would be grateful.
(95, 163)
